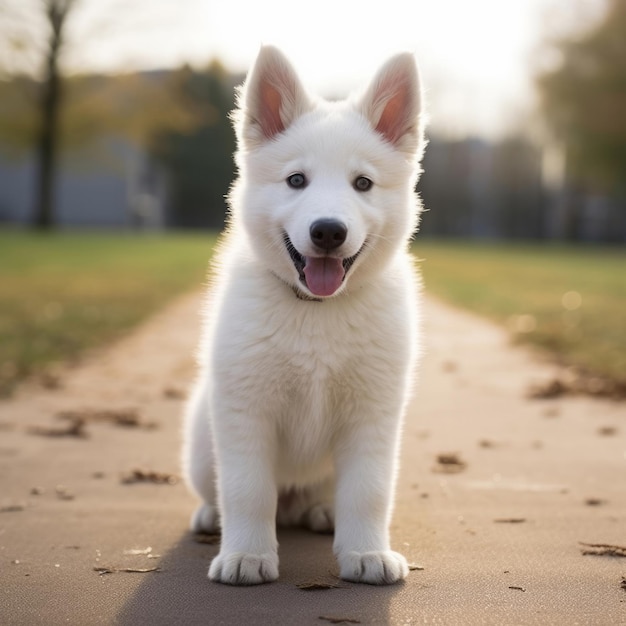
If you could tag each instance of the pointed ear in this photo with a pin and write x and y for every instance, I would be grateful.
(271, 98)
(392, 103)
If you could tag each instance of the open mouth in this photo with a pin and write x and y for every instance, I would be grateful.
(322, 276)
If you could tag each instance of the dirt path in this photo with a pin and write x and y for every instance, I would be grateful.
(496, 527)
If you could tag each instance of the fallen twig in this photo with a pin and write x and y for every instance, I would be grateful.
(132, 570)
(12, 508)
(413, 567)
(76, 428)
(174, 393)
(449, 463)
(316, 585)
(602, 549)
(595, 502)
(579, 383)
(127, 417)
(138, 475)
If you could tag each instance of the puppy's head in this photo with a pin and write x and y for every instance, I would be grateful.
(326, 189)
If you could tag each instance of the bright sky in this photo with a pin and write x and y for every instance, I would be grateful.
(476, 56)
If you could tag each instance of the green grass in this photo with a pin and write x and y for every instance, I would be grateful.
(524, 286)
(63, 293)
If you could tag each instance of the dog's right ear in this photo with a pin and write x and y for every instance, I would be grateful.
(271, 98)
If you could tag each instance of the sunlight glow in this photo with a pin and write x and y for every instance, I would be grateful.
(475, 57)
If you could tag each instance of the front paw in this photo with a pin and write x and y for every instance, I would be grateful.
(241, 568)
(382, 567)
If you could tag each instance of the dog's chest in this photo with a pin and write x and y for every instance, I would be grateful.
(310, 380)
(312, 376)
(317, 356)
(306, 369)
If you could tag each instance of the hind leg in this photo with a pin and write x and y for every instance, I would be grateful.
(199, 461)
(311, 507)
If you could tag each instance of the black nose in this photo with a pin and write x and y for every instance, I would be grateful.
(328, 234)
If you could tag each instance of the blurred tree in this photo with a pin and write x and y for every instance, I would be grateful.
(39, 125)
(136, 106)
(56, 12)
(18, 120)
(45, 110)
(199, 162)
(584, 103)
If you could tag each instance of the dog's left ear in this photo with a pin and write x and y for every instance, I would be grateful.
(392, 104)
(271, 99)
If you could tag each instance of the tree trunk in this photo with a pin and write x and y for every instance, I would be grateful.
(47, 147)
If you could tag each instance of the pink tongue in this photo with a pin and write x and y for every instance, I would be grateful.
(323, 275)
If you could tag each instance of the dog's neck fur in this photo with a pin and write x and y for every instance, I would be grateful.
(303, 296)
(298, 293)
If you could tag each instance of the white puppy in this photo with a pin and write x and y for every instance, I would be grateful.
(311, 332)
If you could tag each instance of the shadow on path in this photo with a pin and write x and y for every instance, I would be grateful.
(181, 592)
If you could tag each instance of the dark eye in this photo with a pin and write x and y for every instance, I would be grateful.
(297, 180)
(362, 183)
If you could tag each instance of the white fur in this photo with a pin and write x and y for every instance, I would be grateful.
(297, 412)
